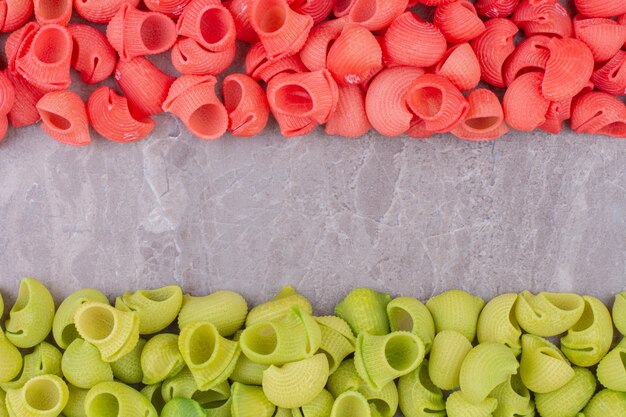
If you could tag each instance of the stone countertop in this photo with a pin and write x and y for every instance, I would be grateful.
(324, 214)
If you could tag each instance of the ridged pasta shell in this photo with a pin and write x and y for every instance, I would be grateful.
(599, 113)
(524, 106)
(351, 404)
(604, 37)
(226, 310)
(249, 400)
(14, 14)
(12, 361)
(497, 322)
(411, 315)
(128, 368)
(83, 367)
(44, 395)
(259, 67)
(315, 50)
(413, 42)
(100, 11)
(571, 398)
(530, 55)
(376, 14)
(619, 312)
(446, 357)
(460, 65)
(568, 70)
(457, 405)
(337, 340)
(64, 117)
(129, 401)
(208, 23)
(354, 55)
(513, 399)
(558, 112)
(156, 308)
(190, 58)
(239, 10)
(179, 407)
(599, 8)
(19, 42)
(611, 370)
(160, 358)
(7, 96)
(319, 10)
(365, 310)
(543, 368)
(246, 104)
(279, 306)
(604, 403)
(44, 360)
(456, 310)
(23, 112)
(171, 8)
(485, 118)
(546, 17)
(493, 47)
(93, 57)
(53, 11)
(75, 406)
(458, 21)
(320, 406)
(611, 76)
(349, 119)
(419, 397)
(248, 372)
(548, 314)
(184, 385)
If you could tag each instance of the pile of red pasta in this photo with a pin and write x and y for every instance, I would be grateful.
(351, 65)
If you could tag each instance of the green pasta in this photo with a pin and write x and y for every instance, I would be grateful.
(41, 396)
(571, 398)
(497, 323)
(320, 406)
(278, 306)
(337, 340)
(411, 315)
(381, 359)
(446, 356)
(128, 368)
(484, 368)
(63, 328)
(227, 310)
(45, 359)
(11, 362)
(184, 385)
(156, 308)
(1, 306)
(30, 319)
(606, 403)
(365, 310)
(543, 367)
(75, 406)
(153, 394)
(3, 408)
(351, 404)
(456, 310)
(419, 397)
(211, 358)
(611, 370)
(116, 399)
(548, 314)
(513, 399)
(161, 359)
(458, 406)
(248, 372)
(619, 312)
(219, 409)
(82, 365)
(182, 407)
(250, 401)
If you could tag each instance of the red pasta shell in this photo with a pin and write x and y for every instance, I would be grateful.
(376, 14)
(496, 8)
(259, 67)
(171, 8)
(316, 48)
(53, 11)
(64, 117)
(319, 10)
(23, 112)
(14, 14)
(524, 105)
(239, 10)
(611, 77)
(349, 119)
(410, 41)
(530, 55)
(208, 23)
(100, 11)
(543, 17)
(493, 47)
(342, 7)
(558, 112)
(293, 126)
(19, 42)
(7, 94)
(4, 126)
(189, 57)
(246, 104)
(601, 8)
(485, 118)
(604, 37)
(354, 56)
(460, 66)
(568, 70)
(458, 21)
(599, 113)
(93, 57)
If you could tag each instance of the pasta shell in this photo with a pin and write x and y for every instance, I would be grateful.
(192, 98)
(351, 404)
(239, 10)
(548, 314)
(19, 42)
(248, 372)
(571, 398)
(599, 8)
(7, 100)
(23, 112)
(184, 385)
(385, 102)
(281, 30)
(64, 117)
(436, 101)
(316, 48)
(44, 395)
(12, 360)
(619, 312)
(279, 306)
(606, 402)
(413, 42)
(568, 70)
(513, 398)
(558, 112)
(493, 47)
(249, 400)
(129, 401)
(446, 357)
(611, 370)
(157, 308)
(246, 104)
(183, 407)
(599, 113)
(496, 8)
(171, 8)
(524, 106)
(458, 21)
(93, 57)
(349, 119)
(411, 315)
(543, 368)
(376, 14)
(354, 55)
(208, 23)
(319, 10)
(546, 17)
(226, 310)
(456, 310)
(53, 11)
(457, 405)
(160, 358)
(320, 406)
(144, 85)
(604, 37)
(63, 328)
(611, 77)
(100, 11)
(44, 360)
(46, 64)
(4, 126)
(460, 66)
(82, 365)
(342, 7)
(530, 55)
(259, 67)
(484, 120)
(365, 310)
(75, 406)
(190, 58)
(419, 397)
(128, 368)
(14, 14)
(110, 116)
(337, 340)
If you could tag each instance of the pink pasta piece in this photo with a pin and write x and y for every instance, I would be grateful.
(239, 10)
(100, 11)
(568, 69)
(316, 48)
(433, 2)
(93, 57)
(604, 37)
(611, 77)
(341, 8)
(171, 8)
(319, 10)
(64, 117)
(110, 116)
(530, 55)
(53, 11)
(19, 41)
(493, 47)
(485, 118)
(189, 57)
(23, 112)
(496, 8)
(193, 100)
(14, 14)
(354, 56)
(4, 126)
(293, 126)
(599, 113)
(7, 94)
(460, 66)
(601, 8)
(458, 21)
(376, 14)
(246, 104)
(543, 17)
(350, 118)
(208, 23)
(259, 67)
(558, 112)
(410, 41)
(524, 106)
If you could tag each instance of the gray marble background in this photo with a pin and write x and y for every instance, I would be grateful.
(321, 213)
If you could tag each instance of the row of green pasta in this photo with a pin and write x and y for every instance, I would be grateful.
(160, 352)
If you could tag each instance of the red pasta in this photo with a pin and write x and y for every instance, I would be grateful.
(189, 57)
(604, 37)
(133, 33)
(292, 126)
(7, 95)
(14, 14)
(460, 66)
(23, 112)
(99, 11)
(317, 9)
(4, 126)
(354, 56)
(496, 8)
(543, 17)
(493, 47)
(458, 21)
(19, 41)
(376, 14)
(568, 69)
(208, 23)
(171, 8)
(246, 104)
(611, 77)
(530, 55)
(239, 10)
(350, 118)
(599, 114)
(193, 100)
(485, 118)
(64, 117)
(316, 48)
(259, 67)
(110, 116)
(601, 8)
(93, 57)
(53, 11)
(558, 112)
(524, 105)
(342, 7)
(410, 41)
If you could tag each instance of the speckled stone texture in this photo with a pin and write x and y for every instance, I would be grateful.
(324, 214)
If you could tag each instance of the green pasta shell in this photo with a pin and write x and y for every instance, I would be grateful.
(11, 363)
(114, 332)
(484, 368)
(161, 359)
(219, 409)
(287, 412)
(456, 310)
(156, 308)
(63, 328)
(45, 359)
(381, 359)
(543, 367)
(419, 397)
(153, 394)
(227, 310)
(250, 401)
(411, 315)
(606, 403)
(297, 383)
(82, 365)
(458, 406)
(30, 319)
(351, 404)
(611, 370)
(184, 385)
(75, 406)
(248, 372)
(619, 312)
(497, 323)
(41, 396)
(128, 368)
(293, 337)
(182, 407)
(278, 306)
(548, 314)
(446, 357)
(337, 340)
(365, 310)
(320, 406)
(119, 400)
(3, 408)
(210, 357)
(571, 398)
(513, 399)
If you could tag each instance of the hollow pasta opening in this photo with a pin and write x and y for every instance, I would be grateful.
(207, 120)
(429, 100)
(202, 345)
(158, 295)
(262, 339)
(209, 399)
(341, 6)
(401, 318)
(564, 301)
(214, 25)
(156, 34)
(381, 406)
(295, 99)
(69, 334)
(51, 45)
(55, 120)
(482, 123)
(233, 94)
(271, 15)
(52, 9)
(586, 320)
(23, 298)
(363, 11)
(401, 352)
(42, 394)
(518, 387)
(104, 405)
(97, 322)
(352, 406)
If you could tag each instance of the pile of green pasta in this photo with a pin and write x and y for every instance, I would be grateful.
(548, 354)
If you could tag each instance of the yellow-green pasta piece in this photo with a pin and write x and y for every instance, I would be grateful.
(446, 357)
(248, 372)
(75, 406)
(606, 403)
(30, 319)
(63, 328)
(619, 312)
(484, 368)
(3, 407)
(1, 306)
(337, 340)
(82, 365)
(571, 398)
(293, 337)
(11, 363)
(160, 358)
(381, 359)
(296, 383)
(45, 359)
(458, 406)
(351, 404)
(227, 310)
(411, 315)
(182, 407)
(41, 396)
(156, 308)
(320, 406)
(278, 306)
(184, 385)
(287, 412)
(365, 310)
(219, 409)
(214, 398)
(117, 399)
(419, 397)
(153, 394)
(611, 370)
(543, 367)
(345, 378)
(548, 314)
(211, 358)
(590, 338)
(128, 368)
(456, 310)
(513, 399)
(250, 401)
(497, 323)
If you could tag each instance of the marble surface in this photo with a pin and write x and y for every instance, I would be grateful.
(324, 214)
